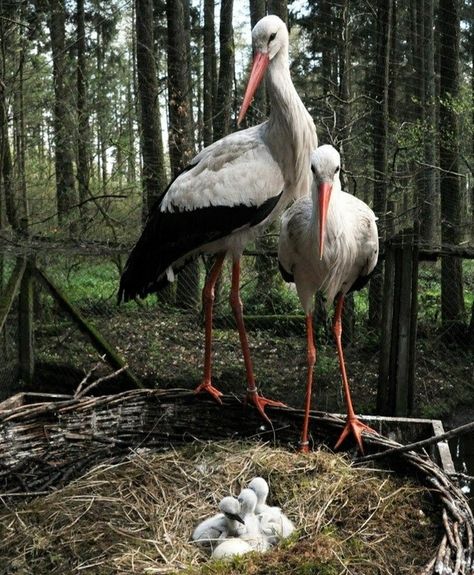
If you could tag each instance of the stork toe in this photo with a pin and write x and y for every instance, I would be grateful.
(261, 403)
(355, 427)
(207, 387)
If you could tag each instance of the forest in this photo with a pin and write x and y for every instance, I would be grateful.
(108, 460)
(103, 103)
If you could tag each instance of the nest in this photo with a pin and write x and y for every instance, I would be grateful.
(120, 481)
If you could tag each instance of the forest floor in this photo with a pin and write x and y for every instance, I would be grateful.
(165, 349)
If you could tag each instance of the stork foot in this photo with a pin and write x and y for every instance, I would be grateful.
(261, 403)
(355, 427)
(206, 386)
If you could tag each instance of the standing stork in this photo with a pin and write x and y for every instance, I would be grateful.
(328, 243)
(228, 194)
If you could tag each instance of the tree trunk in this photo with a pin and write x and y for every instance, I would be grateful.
(209, 74)
(83, 133)
(452, 301)
(154, 175)
(181, 126)
(280, 8)
(19, 127)
(380, 139)
(428, 199)
(6, 166)
(223, 107)
(65, 188)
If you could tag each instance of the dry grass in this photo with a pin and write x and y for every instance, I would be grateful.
(137, 516)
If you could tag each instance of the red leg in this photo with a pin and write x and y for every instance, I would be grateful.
(311, 357)
(353, 424)
(236, 304)
(208, 296)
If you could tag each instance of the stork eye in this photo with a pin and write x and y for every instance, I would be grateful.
(336, 170)
(272, 37)
(312, 169)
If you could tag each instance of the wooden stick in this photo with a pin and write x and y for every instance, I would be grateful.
(418, 444)
(98, 341)
(13, 285)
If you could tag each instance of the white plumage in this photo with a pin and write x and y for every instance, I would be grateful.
(274, 524)
(253, 534)
(228, 523)
(229, 192)
(328, 243)
(231, 548)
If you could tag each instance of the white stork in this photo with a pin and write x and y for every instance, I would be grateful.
(328, 243)
(227, 195)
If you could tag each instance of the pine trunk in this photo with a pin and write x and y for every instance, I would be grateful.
(65, 181)
(380, 139)
(154, 175)
(452, 301)
(223, 107)
(181, 125)
(83, 133)
(209, 73)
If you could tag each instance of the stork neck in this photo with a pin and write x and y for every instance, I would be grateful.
(291, 130)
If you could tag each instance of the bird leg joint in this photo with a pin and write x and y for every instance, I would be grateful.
(337, 329)
(208, 294)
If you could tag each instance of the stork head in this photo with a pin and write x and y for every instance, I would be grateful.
(230, 507)
(260, 487)
(248, 501)
(269, 36)
(325, 165)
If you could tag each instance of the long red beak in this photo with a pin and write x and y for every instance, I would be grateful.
(260, 64)
(324, 194)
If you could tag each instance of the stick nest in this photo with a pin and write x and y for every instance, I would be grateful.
(137, 515)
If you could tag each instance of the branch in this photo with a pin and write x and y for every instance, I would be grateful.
(81, 392)
(418, 444)
(79, 204)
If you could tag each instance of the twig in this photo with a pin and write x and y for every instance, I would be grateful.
(80, 393)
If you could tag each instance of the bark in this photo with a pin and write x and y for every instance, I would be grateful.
(180, 114)
(428, 199)
(209, 73)
(380, 139)
(452, 301)
(181, 124)
(154, 175)
(6, 165)
(63, 155)
(222, 114)
(83, 132)
(280, 8)
(7, 189)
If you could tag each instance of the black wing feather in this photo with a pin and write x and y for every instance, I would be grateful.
(171, 236)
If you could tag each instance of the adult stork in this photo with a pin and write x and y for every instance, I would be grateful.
(227, 195)
(328, 243)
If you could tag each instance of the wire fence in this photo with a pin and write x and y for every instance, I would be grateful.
(162, 341)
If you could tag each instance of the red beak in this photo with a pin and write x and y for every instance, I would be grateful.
(260, 64)
(324, 194)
